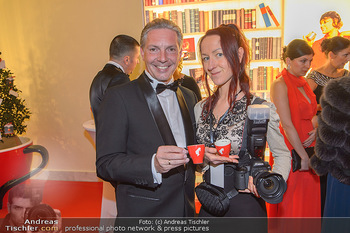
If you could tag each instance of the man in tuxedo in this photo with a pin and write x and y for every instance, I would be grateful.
(142, 131)
(124, 52)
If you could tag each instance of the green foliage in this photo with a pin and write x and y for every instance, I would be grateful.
(12, 108)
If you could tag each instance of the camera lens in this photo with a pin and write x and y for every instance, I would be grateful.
(268, 184)
(271, 187)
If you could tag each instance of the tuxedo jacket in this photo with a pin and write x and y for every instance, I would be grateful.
(109, 76)
(131, 126)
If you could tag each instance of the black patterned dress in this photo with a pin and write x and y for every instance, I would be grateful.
(321, 80)
(231, 127)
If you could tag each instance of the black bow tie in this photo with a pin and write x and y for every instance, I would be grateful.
(161, 87)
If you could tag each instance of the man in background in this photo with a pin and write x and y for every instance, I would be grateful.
(124, 53)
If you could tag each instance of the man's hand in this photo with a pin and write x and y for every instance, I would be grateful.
(169, 157)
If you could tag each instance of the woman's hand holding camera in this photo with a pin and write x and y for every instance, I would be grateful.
(251, 188)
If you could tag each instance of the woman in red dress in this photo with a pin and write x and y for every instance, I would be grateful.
(296, 106)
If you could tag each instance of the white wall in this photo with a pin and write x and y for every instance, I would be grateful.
(55, 48)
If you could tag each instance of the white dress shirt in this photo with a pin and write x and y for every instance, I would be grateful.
(171, 109)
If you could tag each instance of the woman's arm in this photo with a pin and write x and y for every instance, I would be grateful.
(311, 83)
(279, 96)
(278, 148)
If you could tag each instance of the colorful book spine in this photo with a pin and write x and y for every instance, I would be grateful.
(196, 20)
(184, 23)
(201, 21)
(179, 20)
(188, 21)
(253, 18)
(265, 15)
(272, 16)
(206, 21)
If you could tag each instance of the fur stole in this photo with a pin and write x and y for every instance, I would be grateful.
(332, 150)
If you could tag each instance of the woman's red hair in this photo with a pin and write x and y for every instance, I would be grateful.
(231, 39)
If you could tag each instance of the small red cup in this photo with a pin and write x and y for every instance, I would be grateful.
(197, 153)
(223, 147)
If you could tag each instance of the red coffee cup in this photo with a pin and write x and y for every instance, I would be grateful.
(223, 147)
(197, 153)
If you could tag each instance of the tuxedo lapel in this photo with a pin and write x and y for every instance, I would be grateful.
(189, 133)
(156, 110)
(185, 117)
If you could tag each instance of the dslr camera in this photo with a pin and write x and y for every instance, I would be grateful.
(270, 186)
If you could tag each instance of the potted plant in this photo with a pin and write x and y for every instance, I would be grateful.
(15, 152)
(13, 112)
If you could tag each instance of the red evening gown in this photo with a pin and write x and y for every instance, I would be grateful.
(302, 198)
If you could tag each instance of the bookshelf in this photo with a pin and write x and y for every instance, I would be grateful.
(194, 17)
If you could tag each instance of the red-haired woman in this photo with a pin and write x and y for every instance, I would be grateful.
(224, 55)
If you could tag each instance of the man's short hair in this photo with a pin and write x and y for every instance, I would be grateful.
(26, 191)
(161, 23)
(122, 45)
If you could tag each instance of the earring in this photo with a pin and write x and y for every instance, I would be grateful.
(288, 67)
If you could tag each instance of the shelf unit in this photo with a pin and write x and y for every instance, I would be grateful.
(197, 16)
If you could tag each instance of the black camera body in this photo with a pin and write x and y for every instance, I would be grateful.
(270, 186)
(255, 168)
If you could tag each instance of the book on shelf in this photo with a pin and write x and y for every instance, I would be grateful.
(256, 48)
(273, 17)
(192, 21)
(265, 48)
(243, 18)
(265, 15)
(201, 21)
(167, 2)
(206, 21)
(188, 49)
(269, 77)
(189, 20)
(253, 18)
(262, 77)
(179, 20)
(173, 16)
(184, 29)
